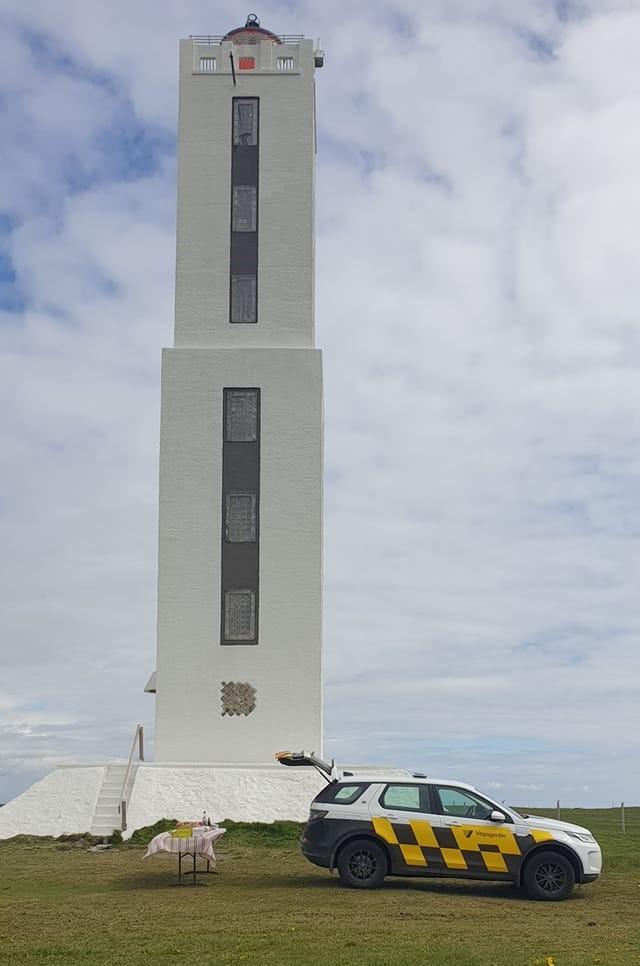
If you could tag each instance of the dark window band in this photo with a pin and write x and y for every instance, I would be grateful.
(243, 269)
(240, 552)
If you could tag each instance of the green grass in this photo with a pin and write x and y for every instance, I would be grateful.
(60, 905)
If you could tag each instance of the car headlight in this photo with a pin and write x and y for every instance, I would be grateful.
(582, 836)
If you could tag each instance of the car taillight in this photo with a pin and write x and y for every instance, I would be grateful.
(316, 813)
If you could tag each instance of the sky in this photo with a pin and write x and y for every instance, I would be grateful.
(478, 304)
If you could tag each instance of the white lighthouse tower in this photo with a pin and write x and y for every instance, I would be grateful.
(238, 674)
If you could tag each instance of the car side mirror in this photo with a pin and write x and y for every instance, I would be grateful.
(497, 816)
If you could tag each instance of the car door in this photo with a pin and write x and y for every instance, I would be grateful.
(471, 843)
(401, 814)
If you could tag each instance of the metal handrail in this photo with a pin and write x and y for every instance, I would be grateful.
(138, 739)
(210, 39)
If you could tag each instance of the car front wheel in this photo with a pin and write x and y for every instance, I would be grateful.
(549, 876)
(362, 865)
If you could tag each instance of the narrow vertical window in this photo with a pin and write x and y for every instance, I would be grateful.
(239, 615)
(244, 207)
(242, 415)
(240, 517)
(243, 298)
(245, 121)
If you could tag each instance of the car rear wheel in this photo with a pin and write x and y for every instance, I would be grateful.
(362, 864)
(549, 876)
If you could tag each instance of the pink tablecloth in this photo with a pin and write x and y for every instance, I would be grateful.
(202, 843)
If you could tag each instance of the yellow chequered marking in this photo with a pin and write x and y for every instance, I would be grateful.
(464, 840)
(502, 837)
(538, 835)
(412, 855)
(384, 828)
(425, 836)
(453, 858)
(471, 837)
(494, 862)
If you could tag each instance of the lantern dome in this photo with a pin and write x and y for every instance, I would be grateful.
(251, 33)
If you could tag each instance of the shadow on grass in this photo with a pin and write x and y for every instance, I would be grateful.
(393, 885)
(475, 889)
(165, 879)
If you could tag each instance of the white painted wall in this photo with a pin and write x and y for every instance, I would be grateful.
(60, 804)
(276, 355)
(286, 197)
(241, 794)
(285, 667)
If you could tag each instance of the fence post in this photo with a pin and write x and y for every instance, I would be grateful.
(558, 809)
(622, 821)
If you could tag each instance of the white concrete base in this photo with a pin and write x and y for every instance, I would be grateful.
(61, 803)
(244, 793)
(64, 802)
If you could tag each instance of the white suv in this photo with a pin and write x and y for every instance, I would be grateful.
(368, 826)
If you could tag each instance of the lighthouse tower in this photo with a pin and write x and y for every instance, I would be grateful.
(238, 673)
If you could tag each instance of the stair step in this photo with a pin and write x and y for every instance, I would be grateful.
(106, 818)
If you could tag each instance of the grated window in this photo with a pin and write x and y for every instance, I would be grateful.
(285, 63)
(245, 121)
(239, 615)
(240, 518)
(243, 298)
(207, 63)
(244, 208)
(242, 415)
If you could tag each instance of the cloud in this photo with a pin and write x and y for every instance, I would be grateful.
(478, 206)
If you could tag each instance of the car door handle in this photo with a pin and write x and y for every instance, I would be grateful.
(394, 817)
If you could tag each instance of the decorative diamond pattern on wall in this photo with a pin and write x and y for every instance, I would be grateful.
(237, 697)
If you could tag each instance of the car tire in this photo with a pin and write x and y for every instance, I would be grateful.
(362, 864)
(548, 876)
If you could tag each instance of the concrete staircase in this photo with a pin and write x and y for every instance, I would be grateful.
(106, 817)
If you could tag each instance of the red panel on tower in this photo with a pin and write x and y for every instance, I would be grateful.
(247, 63)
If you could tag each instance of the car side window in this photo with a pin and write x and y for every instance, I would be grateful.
(404, 797)
(341, 794)
(459, 803)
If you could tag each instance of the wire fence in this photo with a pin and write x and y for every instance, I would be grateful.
(619, 816)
